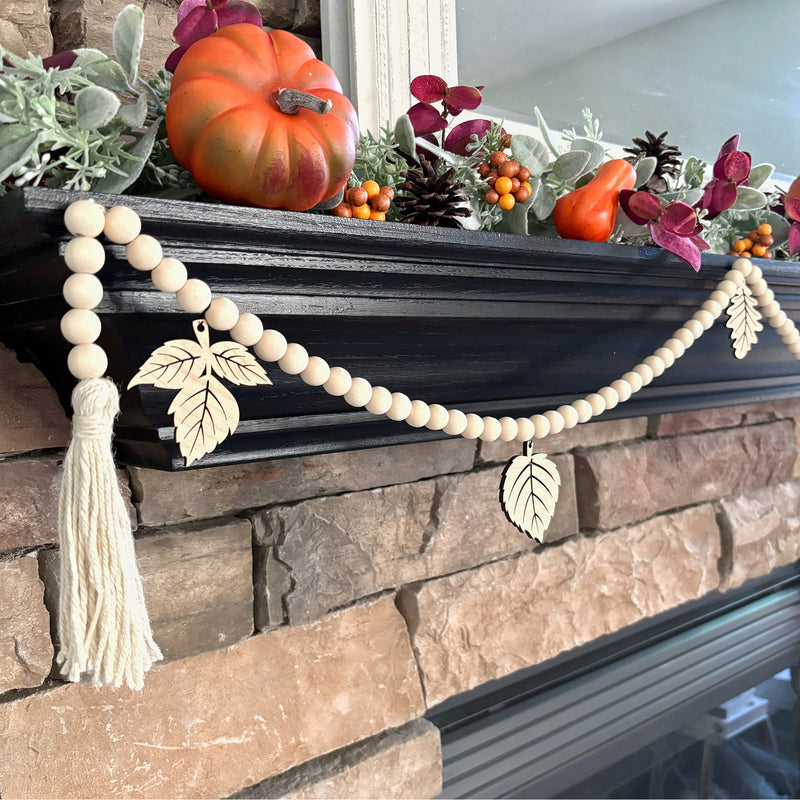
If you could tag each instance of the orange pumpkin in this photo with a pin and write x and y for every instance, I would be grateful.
(258, 120)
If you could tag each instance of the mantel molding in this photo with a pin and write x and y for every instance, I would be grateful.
(490, 323)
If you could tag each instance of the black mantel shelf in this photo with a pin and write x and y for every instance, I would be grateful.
(486, 322)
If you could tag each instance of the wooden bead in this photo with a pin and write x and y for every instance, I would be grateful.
(316, 372)
(765, 298)
(83, 254)
(610, 396)
(656, 365)
(675, 346)
(790, 338)
(713, 308)
(271, 346)
(794, 347)
(684, 336)
(380, 401)
(82, 290)
(294, 360)
(728, 285)
(248, 329)
(194, 296)
(634, 380)
(456, 422)
(695, 328)
(491, 429)
(474, 427)
(420, 414)
(400, 407)
(525, 429)
(754, 275)
(541, 426)
(735, 276)
(597, 403)
(666, 355)
(705, 318)
(87, 361)
(222, 314)
(80, 326)
(771, 310)
(583, 409)
(720, 297)
(570, 416)
(758, 288)
(556, 421)
(122, 225)
(359, 393)
(144, 253)
(508, 429)
(439, 417)
(787, 326)
(743, 266)
(623, 389)
(645, 372)
(339, 382)
(84, 218)
(169, 276)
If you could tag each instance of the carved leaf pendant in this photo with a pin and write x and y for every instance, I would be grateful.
(529, 492)
(744, 321)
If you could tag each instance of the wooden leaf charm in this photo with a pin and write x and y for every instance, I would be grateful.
(205, 412)
(171, 365)
(529, 491)
(744, 321)
(236, 364)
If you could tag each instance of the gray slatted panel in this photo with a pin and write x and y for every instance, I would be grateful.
(565, 734)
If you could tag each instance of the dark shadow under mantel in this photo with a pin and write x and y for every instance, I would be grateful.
(486, 322)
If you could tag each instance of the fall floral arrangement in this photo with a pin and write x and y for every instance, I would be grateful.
(85, 120)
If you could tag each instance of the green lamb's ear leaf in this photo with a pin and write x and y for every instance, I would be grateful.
(544, 202)
(530, 152)
(749, 198)
(95, 107)
(404, 133)
(644, 170)
(571, 165)
(134, 114)
(597, 152)
(517, 219)
(101, 70)
(15, 148)
(116, 184)
(545, 132)
(759, 174)
(127, 39)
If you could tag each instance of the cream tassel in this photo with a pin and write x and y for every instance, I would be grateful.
(102, 619)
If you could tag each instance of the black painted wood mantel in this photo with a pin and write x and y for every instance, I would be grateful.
(486, 322)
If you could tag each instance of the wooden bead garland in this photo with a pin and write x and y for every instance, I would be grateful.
(121, 225)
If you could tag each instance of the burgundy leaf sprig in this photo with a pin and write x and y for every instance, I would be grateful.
(792, 209)
(200, 18)
(731, 169)
(428, 120)
(675, 227)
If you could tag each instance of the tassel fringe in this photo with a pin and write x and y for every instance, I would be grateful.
(102, 619)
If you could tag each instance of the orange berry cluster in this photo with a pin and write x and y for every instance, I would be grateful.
(508, 181)
(368, 201)
(756, 243)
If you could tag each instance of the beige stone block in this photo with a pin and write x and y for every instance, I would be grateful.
(31, 418)
(163, 497)
(29, 489)
(338, 549)
(705, 419)
(197, 585)
(764, 531)
(405, 762)
(27, 27)
(625, 484)
(210, 725)
(486, 623)
(777, 409)
(25, 649)
(591, 434)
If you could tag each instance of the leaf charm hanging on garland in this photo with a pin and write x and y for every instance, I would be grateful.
(204, 411)
(744, 321)
(529, 492)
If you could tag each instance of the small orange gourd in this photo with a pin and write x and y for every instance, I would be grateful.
(590, 212)
(258, 119)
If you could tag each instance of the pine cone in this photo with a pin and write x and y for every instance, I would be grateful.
(666, 155)
(432, 199)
